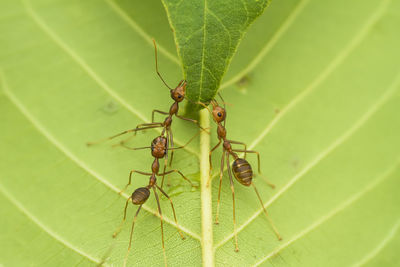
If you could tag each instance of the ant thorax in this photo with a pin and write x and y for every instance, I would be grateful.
(221, 131)
(159, 147)
(174, 108)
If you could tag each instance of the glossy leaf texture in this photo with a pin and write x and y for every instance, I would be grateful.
(314, 87)
(207, 34)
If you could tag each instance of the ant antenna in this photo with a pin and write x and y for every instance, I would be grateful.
(201, 103)
(223, 102)
(155, 49)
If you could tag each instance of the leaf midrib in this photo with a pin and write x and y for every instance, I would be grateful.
(254, 143)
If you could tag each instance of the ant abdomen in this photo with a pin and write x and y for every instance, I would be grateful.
(140, 195)
(242, 171)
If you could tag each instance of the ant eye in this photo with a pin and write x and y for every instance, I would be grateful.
(219, 114)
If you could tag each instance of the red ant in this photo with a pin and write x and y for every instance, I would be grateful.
(241, 168)
(177, 94)
(159, 150)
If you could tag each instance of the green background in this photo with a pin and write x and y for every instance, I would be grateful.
(314, 87)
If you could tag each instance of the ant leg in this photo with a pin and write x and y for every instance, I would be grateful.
(171, 143)
(122, 133)
(187, 143)
(204, 106)
(183, 176)
(150, 125)
(266, 214)
(138, 128)
(158, 111)
(239, 143)
(191, 120)
(233, 201)
(130, 179)
(209, 158)
(173, 210)
(221, 173)
(130, 239)
(106, 256)
(134, 148)
(165, 160)
(123, 220)
(161, 221)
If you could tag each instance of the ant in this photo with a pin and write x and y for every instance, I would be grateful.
(159, 149)
(241, 168)
(177, 94)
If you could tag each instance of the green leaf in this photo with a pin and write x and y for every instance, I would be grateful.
(314, 87)
(207, 34)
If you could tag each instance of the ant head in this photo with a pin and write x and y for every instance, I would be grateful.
(218, 112)
(140, 195)
(159, 146)
(178, 94)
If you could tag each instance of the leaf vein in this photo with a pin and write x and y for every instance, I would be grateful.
(347, 203)
(133, 24)
(336, 62)
(375, 252)
(91, 73)
(339, 141)
(269, 45)
(223, 26)
(323, 75)
(46, 229)
(203, 48)
(75, 159)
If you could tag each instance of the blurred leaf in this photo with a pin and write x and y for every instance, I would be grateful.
(314, 87)
(207, 34)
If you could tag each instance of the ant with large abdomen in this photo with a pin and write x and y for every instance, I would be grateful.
(159, 149)
(241, 168)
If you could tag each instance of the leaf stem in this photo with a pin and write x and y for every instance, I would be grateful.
(206, 199)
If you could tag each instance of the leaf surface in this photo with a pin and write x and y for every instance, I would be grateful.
(314, 87)
(207, 36)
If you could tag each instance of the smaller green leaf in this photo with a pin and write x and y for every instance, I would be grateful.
(207, 36)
